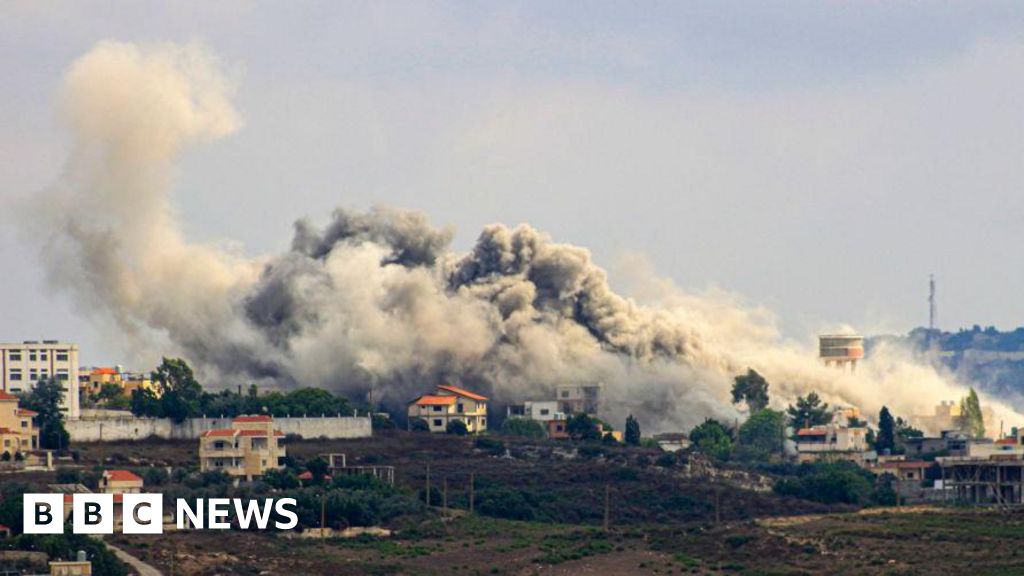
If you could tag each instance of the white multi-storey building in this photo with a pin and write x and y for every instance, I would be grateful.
(22, 365)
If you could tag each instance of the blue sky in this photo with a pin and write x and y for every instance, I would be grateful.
(817, 158)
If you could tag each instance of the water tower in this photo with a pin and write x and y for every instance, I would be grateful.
(841, 350)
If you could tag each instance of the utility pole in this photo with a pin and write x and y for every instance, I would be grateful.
(472, 483)
(427, 495)
(323, 521)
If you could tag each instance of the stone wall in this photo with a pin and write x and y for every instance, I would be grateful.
(110, 429)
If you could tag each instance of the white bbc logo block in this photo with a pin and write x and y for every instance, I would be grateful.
(43, 513)
(143, 514)
(92, 514)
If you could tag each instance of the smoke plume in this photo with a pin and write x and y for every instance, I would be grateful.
(376, 305)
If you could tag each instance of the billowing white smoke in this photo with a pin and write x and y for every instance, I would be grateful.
(375, 304)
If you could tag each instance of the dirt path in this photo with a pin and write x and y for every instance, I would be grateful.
(140, 567)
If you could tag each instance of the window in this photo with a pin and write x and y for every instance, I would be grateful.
(61, 356)
(24, 423)
(42, 356)
(565, 393)
(32, 355)
(62, 375)
(483, 421)
(15, 375)
(33, 375)
(437, 421)
(437, 408)
(14, 356)
(544, 411)
(460, 408)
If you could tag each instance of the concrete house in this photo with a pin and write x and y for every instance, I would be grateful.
(831, 442)
(120, 482)
(18, 432)
(449, 403)
(248, 449)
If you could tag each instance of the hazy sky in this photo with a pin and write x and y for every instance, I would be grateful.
(818, 158)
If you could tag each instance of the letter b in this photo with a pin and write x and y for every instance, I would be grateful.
(43, 513)
(92, 513)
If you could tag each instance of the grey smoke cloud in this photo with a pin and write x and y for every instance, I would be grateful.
(376, 304)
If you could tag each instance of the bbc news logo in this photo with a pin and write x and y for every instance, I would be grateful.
(144, 513)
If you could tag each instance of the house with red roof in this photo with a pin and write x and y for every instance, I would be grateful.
(18, 432)
(250, 447)
(120, 482)
(450, 403)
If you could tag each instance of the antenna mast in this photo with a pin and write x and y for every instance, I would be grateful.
(931, 303)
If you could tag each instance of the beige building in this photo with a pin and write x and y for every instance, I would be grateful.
(22, 365)
(248, 449)
(18, 432)
(93, 381)
(831, 442)
(449, 403)
(120, 482)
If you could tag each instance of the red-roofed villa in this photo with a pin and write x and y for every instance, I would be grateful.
(447, 404)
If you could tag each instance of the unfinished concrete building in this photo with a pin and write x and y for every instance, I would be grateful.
(995, 480)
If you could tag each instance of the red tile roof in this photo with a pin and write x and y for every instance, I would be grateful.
(260, 418)
(122, 476)
(219, 432)
(431, 400)
(461, 392)
(104, 371)
(1007, 441)
(7, 396)
(26, 412)
(118, 498)
(812, 432)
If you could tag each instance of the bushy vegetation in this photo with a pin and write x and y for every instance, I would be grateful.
(524, 427)
(45, 398)
(183, 397)
(712, 438)
(830, 483)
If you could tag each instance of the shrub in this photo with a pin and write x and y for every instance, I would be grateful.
(490, 445)
(456, 427)
(419, 425)
(828, 483)
(523, 427)
(504, 503)
(155, 476)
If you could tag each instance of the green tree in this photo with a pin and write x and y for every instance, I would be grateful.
(632, 432)
(829, 483)
(712, 438)
(886, 439)
(180, 393)
(522, 427)
(751, 388)
(808, 411)
(45, 399)
(319, 468)
(456, 428)
(145, 403)
(972, 421)
(904, 430)
(762, 435)
(582, 427)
